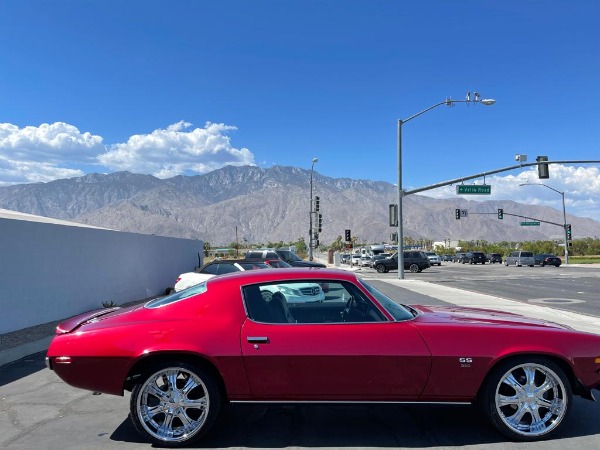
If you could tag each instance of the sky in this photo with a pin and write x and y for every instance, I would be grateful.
(184, 87)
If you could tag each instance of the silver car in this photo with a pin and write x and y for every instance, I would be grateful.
(434, 259)
(520, 259)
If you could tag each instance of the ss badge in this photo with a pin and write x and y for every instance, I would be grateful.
(465, 362)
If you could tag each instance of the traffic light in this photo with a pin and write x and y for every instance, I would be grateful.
(393, 215)
(348, 237)
(457, 213)
(320, 226)
(569, 235)
(542, 167)
(317, 203)
(316, 243)
(500, 213)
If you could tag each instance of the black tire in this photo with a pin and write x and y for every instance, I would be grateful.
(502, 400)
(380, 268)
(543, 264)
(414, 268)
(199, 404)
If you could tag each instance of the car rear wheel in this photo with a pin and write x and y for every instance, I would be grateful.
(414, 268)
(527, 398)
(175, 405)
(380, 268)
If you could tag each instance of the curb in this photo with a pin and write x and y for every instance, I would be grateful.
(20, 351)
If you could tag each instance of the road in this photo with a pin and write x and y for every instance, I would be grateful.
(571, 288)
(38, 410)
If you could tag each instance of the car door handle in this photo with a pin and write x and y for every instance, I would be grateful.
(257, 339)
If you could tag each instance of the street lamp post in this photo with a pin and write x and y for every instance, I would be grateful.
(566, 239)
(310, 230)
(447, 102)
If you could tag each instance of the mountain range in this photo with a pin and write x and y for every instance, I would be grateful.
(271, 205)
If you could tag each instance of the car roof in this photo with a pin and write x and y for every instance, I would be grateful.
(294, 273)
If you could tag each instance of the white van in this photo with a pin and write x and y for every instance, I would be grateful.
(520, 259)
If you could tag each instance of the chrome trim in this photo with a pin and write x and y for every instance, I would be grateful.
(257, 339)
(341, 402)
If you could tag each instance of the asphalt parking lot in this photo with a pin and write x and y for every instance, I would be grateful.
(39, 411)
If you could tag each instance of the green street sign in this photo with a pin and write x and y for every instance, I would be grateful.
(484, 189)
(530, 224)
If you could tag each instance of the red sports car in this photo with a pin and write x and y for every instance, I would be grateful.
(182, 356)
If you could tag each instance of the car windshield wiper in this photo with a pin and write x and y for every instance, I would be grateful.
(412, 310)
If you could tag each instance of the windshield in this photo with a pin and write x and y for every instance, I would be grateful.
(177, 296)
(397, 311)
(289, 256)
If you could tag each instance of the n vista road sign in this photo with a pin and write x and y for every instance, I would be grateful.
(530, 224)
(484, 189)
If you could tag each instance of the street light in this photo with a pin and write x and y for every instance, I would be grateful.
(566, 239)
(310, 231)
(447, 102)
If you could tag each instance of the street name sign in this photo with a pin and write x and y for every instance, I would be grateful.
(530, 224)
(482, 189)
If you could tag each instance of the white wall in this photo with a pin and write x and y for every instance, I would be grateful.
(49, 272)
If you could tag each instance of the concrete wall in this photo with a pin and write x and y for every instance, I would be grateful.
(49, 272)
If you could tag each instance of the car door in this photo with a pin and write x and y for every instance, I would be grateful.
(358, 360)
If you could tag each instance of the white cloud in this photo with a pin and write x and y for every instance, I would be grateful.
(44, 153)
(177, 150)
(581, 187)
(59, 150)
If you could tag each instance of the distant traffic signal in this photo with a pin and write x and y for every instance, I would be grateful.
(457, 213)
(500, 213)
(542, 167)
(348, 237)
(320, 226)
(569, 235)
(317, 203)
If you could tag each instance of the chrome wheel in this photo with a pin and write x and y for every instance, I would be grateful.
(414, 268)
(174, 405)
(528, 400)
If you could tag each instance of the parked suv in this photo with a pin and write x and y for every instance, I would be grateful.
(286, 255)
(520, 259)
(494, 258)
(473, 258)
(434, 259)
(413, 261)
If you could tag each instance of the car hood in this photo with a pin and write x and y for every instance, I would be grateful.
(478, 316)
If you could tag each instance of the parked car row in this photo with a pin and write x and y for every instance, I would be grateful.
(516, 258)
(254, 259)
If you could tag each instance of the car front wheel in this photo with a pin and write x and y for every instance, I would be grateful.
(527, 398)
(380, 268)
(175, 405)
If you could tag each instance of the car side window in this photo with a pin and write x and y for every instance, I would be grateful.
(309, 302)
(226, 268)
